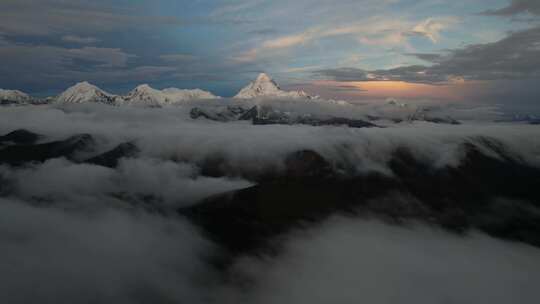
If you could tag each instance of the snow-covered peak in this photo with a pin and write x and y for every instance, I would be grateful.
(85, 92)
(145, 95)
(262, 86)
(82, 87)
(143, 88)
(177, 95)
(265, 86)
(14, 96)
(263, 77)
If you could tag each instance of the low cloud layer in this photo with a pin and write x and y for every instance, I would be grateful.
(72, 232)
(52, 255)
(166, 184)
(352, 261)
(169, 133)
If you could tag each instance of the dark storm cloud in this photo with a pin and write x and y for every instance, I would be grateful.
(57, 67)
(28, 17)
(515, 57)
(344, 74)
(28, 56)
(427, 56)
(517, 7)
(45, 65)
(79, 40)
(178, 58)
(41, 44)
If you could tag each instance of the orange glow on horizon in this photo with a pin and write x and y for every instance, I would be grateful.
(383, 89)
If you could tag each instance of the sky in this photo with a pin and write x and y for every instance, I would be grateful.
(462, 50)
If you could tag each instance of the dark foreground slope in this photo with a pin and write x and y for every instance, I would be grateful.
(21, 147)
(489, 190)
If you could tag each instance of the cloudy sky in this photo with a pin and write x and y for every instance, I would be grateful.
(352, 49)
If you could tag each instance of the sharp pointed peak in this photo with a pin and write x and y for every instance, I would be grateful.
(83, 92)
(144, 86)
(83, 84)
(264, 77)
(265, 86)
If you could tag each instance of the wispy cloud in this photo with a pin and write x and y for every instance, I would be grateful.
(431, 28)
(376, 31)
(79, 39)
(178, 57)
(235, 7)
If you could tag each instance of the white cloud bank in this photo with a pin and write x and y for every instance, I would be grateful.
(87, 234)
(358, 261)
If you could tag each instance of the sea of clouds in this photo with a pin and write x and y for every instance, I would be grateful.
(79, 233)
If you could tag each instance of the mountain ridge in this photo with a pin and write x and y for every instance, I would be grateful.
(265, 86)
(14, 97)
(85, 92)
(145, 95)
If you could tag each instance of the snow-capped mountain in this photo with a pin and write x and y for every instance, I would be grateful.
(85, 92)
(265, 86)
(14, 97)
(147, 96)
(143, 95)
(177, 95)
